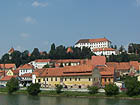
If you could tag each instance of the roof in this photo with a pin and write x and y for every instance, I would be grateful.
(26, 66)
(7, 78)
(11, 50)
(103, 49)
(124, 65)
(7, 66)
(83, 70)
(69, 50)
(43, 60)
(67, 60)
(92, 40)
(16, 72)
(27, 75)
(98, 60)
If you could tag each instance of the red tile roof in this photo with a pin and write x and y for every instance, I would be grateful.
(72, 71)
(7, 66)
(124, 65)
(43, 60)
(11, 50)
(98, 60)
(103, 49)
(27, 75)
(26, 66)
(92, 40)
(69, 50)
(7, 78)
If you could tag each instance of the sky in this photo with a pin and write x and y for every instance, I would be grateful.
(29, 24)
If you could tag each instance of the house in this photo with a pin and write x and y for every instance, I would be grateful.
(40, 63)
(7, 67)
(125, 68)
(73, 76)
(26, 79)
(5, 79)
(104, 51)
(27, 68)
(12, 72)
(93, 43)
(11, 51)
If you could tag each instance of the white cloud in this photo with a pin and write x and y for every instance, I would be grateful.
(29, 19)
(24, 35)
(138, 3)
(39, 4)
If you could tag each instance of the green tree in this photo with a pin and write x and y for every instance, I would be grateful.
(12, 85)
(46, 66)
(34, 89)
(93, 89)
(111, 89)
(132, 85)
(35, 54)
(59, 88)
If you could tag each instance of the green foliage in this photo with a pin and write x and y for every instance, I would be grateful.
(132, 85)
(93, 89)
(12, 85)
(46, 66)
(34, 89)
(59, 88)
(111, 89)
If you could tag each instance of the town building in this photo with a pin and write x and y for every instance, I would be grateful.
(7, 67)
(100, 46)
(27, 68)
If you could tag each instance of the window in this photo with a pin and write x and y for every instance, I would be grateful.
(46, 79)
(38, 80)
(51, 79)
(89, 79)
(75, 79)
(43, 79)
(56, 79)
(105, 79)
(79, 79)
(70, 79)
(109, 79)
(65, 79)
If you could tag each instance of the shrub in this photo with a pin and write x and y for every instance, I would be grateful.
(111, 89)
(133, 86)
(59, 88)
(34, 89)
(93, 89)
(12, 85)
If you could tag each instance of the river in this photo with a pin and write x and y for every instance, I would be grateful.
(44, 100)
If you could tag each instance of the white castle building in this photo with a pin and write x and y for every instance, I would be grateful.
(100, 46)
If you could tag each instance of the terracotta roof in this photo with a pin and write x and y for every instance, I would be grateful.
(103, 49)
(26, 66)
(92, 40)
(27, 75)
(11, 50)
(67, 60)
(7, 66)
(69, 50)
(43, 60)
(73, 71)
(7, 78)
(16, 72)
(124, 65)
(98, 60)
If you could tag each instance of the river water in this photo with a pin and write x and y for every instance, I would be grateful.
(44, 100)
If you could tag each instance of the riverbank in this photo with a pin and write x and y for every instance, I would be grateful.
(73, 94)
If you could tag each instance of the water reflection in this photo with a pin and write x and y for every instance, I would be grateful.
(43, 100)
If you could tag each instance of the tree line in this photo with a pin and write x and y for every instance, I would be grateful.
(59, 52)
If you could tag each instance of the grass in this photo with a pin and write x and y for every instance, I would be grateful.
(73, 94)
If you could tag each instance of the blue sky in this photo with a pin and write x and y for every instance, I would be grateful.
(27, 24)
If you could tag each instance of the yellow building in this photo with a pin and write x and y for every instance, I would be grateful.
(72, 76)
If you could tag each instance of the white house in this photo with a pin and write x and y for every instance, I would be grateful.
(93, 43)
(27, 68)
(40, 63)
(104, 51)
